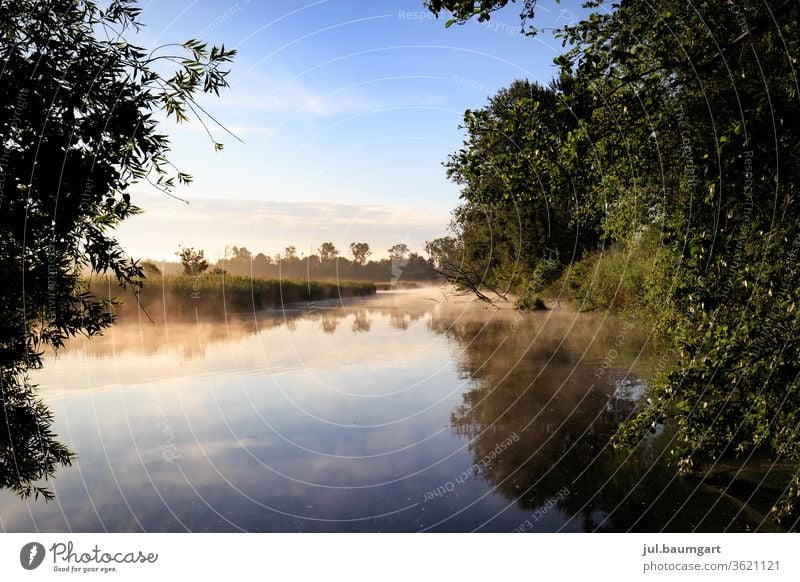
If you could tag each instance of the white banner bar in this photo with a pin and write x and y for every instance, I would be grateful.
(373, 557)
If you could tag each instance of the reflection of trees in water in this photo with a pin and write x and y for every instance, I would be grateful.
(565, 415)
(191, 338)
(402, 320)
(361, 321)
(29, 451)
(329, 321)
(561, 414)
(399, 318)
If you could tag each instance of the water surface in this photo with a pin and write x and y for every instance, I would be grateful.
(408, 411)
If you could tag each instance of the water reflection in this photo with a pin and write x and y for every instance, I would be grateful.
(30, 453)
(550, 392)
(360, 320)
(553, 388)
(395, 413)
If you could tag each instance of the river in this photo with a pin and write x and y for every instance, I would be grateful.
(409, 411)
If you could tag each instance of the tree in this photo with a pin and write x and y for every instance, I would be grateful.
(360, 252)
(150, 270)
(442, 251)
(239, 260)
(261, 265)
(194, 262)
(290, 253)
(77, 128)
(398, 252)
(241, 254)
(464, 10)
(688, 114)
(328, 252)
(526, 197)
(417, 268)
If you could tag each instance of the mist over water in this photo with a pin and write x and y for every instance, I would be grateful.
(412, 410)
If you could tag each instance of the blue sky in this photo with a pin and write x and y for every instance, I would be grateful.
(347, 109)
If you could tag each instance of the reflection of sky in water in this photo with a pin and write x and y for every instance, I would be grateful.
(334, 420)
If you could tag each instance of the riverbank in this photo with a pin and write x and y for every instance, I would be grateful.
(216, 295)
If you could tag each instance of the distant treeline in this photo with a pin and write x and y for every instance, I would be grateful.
(402, 265)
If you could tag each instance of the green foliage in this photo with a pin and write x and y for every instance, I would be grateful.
(463, 10)
(442, 251)
(525, 200)
(77, 129)
(29, 450)
(623, 278)
(220, 294)
(193, 261)
(685, 125)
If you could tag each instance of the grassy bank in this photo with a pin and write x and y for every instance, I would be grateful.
(623, 280)
(216, 295)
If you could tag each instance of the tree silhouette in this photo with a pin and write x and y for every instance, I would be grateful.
(328, 252)
(77, 129)
(360, 252)
(193, 261)
(398, 251)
